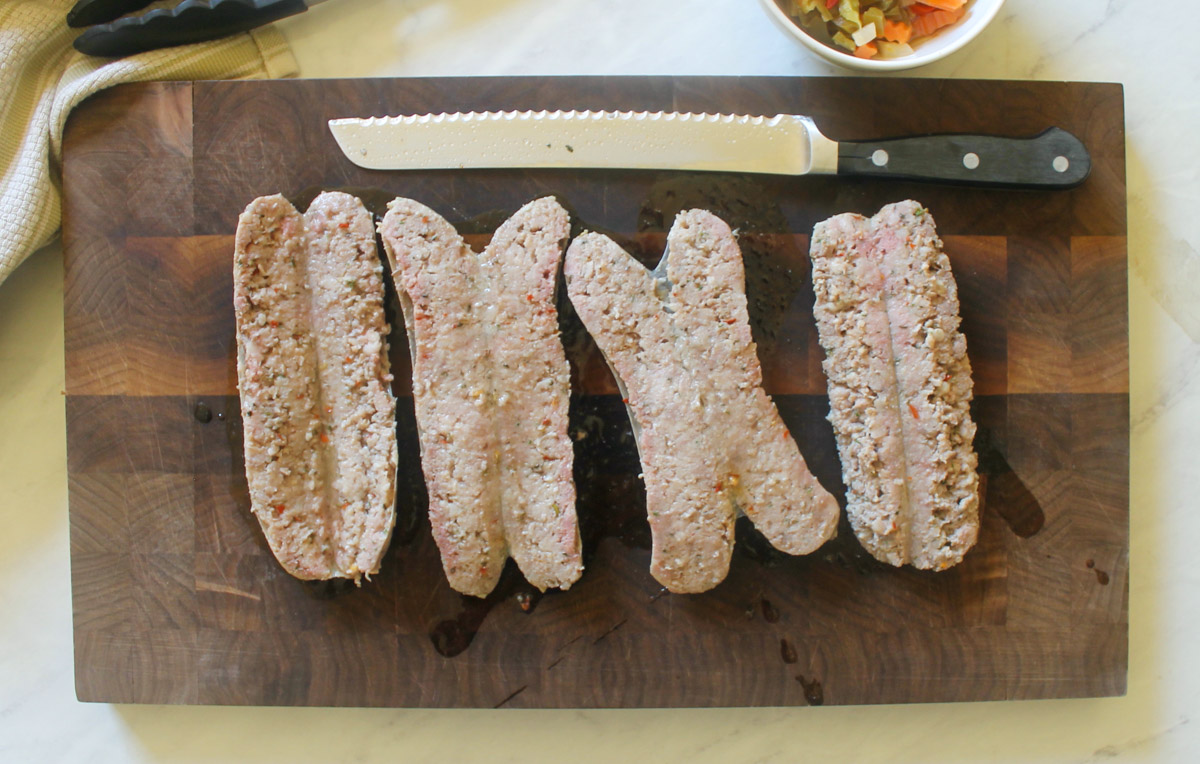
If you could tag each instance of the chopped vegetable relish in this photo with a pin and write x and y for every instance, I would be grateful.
(874, 28)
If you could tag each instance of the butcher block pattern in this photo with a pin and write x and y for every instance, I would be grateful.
(178, 600)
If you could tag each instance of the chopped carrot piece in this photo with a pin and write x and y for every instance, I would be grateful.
(867, 51)
(897, 31)
(945, 5)
(921, 9)
(926, 25)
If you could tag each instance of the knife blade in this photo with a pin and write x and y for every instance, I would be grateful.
(784, 144)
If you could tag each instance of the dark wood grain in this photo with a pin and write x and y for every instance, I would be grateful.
(178, 600)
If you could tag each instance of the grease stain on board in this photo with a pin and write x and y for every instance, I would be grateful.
(452, 636)
(202, 413)
(1102, 576)
(814, 693)
(770, 612)
(787, 651)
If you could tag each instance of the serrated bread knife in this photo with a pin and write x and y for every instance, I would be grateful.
(785, 144)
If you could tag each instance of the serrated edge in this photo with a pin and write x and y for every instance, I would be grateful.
(552, 116)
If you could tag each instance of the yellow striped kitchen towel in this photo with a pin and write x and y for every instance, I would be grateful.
(42, 78)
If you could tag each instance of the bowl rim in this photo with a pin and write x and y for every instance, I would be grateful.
(794, 30)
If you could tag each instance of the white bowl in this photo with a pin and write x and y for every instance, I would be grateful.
(937, 46)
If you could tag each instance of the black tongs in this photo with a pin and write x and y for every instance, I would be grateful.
(112, 36)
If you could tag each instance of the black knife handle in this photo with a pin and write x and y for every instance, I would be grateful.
(1052, 159)
(88, 12)
(190, 21)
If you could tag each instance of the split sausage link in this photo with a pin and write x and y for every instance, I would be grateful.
(317, 409)
(491, 387)
(899, 384)
(711, 442)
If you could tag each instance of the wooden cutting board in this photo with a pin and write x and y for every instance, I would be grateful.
(178, 600)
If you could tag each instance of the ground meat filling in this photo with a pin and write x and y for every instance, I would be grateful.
(491, 386)
(899, 384)
(317, 411)
(711, 442)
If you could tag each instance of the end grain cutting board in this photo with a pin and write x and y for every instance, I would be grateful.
(178, 600)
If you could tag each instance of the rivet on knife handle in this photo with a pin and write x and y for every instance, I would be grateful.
(1052, 159)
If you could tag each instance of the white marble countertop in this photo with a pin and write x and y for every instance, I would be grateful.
(1096, 40)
